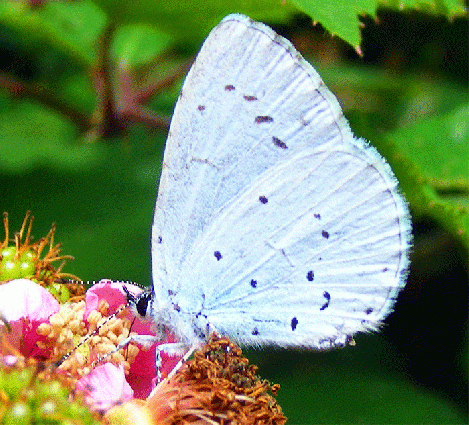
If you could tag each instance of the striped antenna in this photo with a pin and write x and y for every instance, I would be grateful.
(94, 282)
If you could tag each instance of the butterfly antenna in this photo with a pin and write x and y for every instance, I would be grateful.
(65, 281)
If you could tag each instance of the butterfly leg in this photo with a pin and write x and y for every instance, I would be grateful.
(189, 353)
(176, 350)
(172, 349)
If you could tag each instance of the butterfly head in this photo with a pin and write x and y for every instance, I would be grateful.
(139, 304)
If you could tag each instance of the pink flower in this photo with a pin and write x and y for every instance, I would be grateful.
(142, 371)
(25, 305)
(105, 387)
(36, 318)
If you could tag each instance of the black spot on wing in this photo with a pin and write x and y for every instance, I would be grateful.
(263, 118)
(255, 331)
(159, 239)
(279, 143)
(327, 296)
(263, 199)
(310, 276)
(253, 283)
(325, 234)
(217, 255)
(294, 322)
(201, 107)
(369, 310)
(304, 122)
(249, 98)
(229, 87)
(318, 216)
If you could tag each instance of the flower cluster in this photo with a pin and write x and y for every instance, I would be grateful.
(43, 329)
(72, 349)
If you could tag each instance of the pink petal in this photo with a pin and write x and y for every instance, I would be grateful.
(23, 298)
(104, 387)
(26, 305)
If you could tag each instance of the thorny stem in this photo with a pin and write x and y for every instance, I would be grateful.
(46, 97)
(154, 88)
(119, 102)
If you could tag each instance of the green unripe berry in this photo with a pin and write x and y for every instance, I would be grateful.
(11, 268)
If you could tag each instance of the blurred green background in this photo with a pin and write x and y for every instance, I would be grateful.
(73, 154)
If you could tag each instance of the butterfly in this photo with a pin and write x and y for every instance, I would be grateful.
(274, 225)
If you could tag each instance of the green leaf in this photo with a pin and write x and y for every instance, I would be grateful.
(137, 45)
(440, 145)
(450, 8)
(439, 149)
(71, 27)
(32, 135)
(339, 17)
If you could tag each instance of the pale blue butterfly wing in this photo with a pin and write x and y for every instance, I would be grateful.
(273, 224)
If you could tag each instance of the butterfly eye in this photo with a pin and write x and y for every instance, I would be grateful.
(142, 304)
